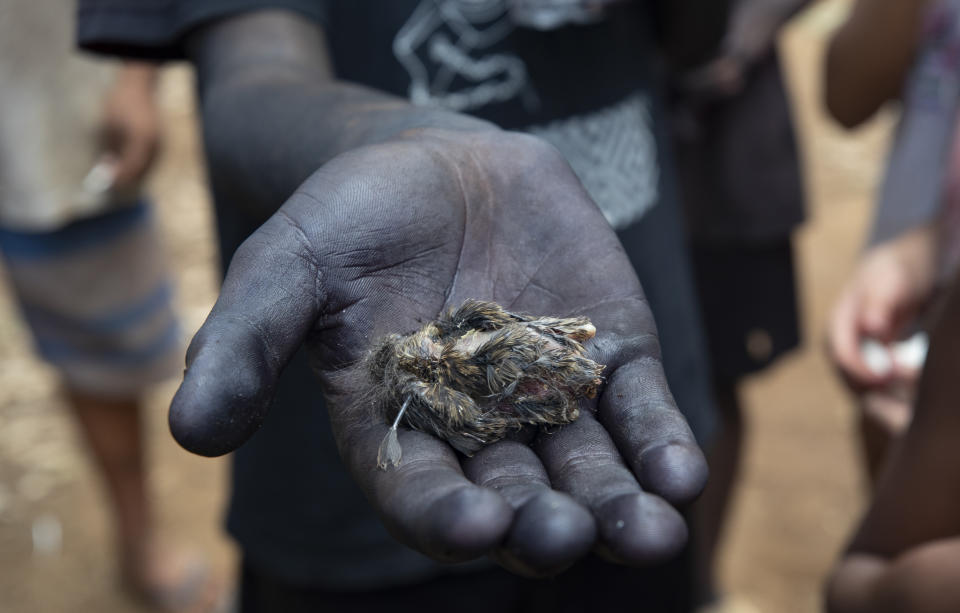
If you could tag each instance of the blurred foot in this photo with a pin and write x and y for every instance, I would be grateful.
(173, 582)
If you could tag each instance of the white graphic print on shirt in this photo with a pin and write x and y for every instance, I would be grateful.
(446, 48)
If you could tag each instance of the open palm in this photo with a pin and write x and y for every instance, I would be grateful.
(384, 238)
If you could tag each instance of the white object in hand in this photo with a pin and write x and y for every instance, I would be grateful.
(95, 190)
(876, 357)
(911, 353)
(908, 354)
(47, 533)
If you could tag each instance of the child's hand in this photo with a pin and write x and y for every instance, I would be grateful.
(893, 284)
(131, 126)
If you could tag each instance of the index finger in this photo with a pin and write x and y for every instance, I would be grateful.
(844, 340)
(637, 408)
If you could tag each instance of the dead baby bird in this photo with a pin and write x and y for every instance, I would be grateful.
(479, 371)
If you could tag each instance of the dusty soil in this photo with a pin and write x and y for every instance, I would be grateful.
(801, 488)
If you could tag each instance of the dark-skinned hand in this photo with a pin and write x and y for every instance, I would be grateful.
(385, 237)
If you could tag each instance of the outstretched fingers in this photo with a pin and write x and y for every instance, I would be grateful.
(550, 530)
(652, 435)
(426, 501)
(633, 526)
(637, 408)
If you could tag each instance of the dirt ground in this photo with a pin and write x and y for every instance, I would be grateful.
(801, 487)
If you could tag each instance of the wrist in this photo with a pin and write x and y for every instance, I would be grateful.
(138, 76)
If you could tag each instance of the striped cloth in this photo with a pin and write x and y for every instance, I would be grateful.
(96, 296)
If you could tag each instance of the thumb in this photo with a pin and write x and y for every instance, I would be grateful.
(267, 306)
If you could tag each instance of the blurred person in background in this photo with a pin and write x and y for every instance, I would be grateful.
(84, 262)
(413, 208)
(742, 189)
(908, 50)
(905, 555)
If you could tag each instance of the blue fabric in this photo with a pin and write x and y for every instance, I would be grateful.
(97, 299)
(118, 321)
(82, 234)
(57, 350)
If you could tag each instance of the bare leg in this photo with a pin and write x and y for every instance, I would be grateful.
(113, 430)
(710, 511)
